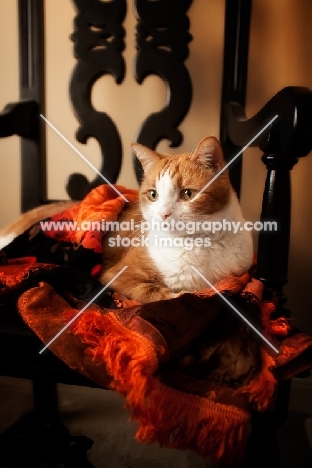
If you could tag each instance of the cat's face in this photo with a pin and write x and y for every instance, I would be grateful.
(171, 183)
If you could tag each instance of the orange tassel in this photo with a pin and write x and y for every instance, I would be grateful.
(280, 326)
(261, 389)
(172, 418)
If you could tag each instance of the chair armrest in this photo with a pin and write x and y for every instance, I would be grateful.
(289, 136)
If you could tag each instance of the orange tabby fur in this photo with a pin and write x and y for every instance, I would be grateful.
(31, 217)
(148, 276)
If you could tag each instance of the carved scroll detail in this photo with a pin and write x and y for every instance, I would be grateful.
(99, 42)
(162, 46)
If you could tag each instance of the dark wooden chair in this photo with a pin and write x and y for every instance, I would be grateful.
(162, 47)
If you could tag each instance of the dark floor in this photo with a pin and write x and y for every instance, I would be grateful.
(99, 414)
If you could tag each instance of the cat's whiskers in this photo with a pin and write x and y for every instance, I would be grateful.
(135, 231)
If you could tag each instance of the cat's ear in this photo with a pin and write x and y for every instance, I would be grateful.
(146, 156)
(209, 153)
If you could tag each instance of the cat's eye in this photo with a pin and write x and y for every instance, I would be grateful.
(188, 194)
(152, 195)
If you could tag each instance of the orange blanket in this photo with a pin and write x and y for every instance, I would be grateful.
(191, 370)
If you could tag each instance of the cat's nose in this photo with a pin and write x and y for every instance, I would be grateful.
(164, 216)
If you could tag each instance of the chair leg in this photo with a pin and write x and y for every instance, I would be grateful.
(263, 450)
(39, 437)
(49, 443)
(54, 440)
(45, 398)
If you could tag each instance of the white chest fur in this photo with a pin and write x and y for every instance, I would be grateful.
(215, 255)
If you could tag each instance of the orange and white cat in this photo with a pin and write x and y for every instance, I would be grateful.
(171, 195)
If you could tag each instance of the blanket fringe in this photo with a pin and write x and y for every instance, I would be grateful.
(261, 389)
(172, 418)
(129, 357)
(209, 428)
(279, 326)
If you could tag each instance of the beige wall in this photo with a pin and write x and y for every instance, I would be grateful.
(280, 55)
(9, 147)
